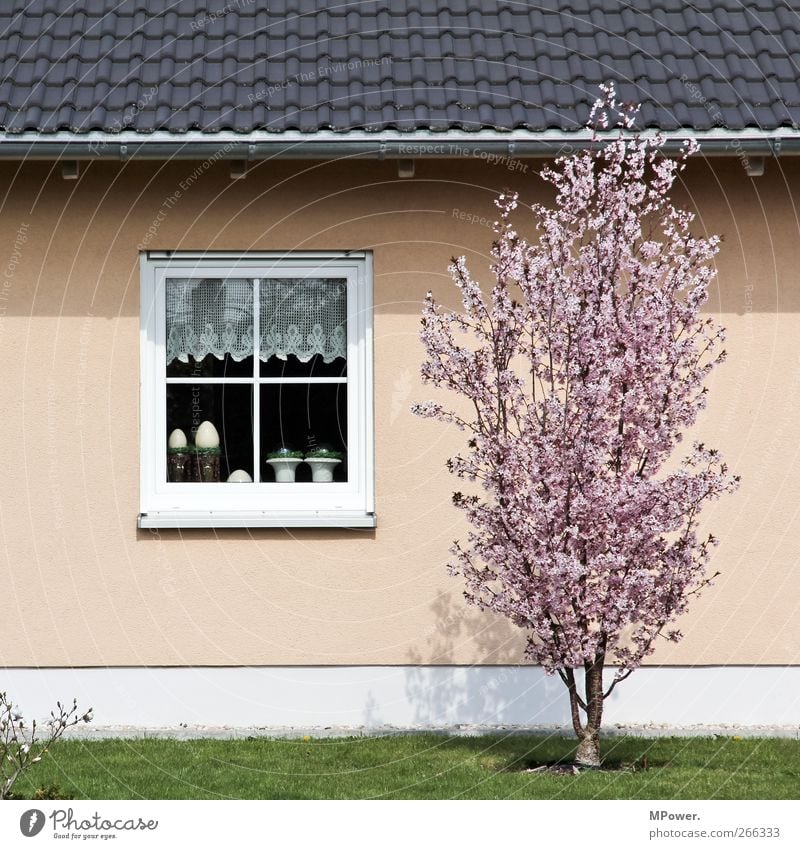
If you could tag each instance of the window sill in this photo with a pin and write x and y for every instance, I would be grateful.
(253, 519)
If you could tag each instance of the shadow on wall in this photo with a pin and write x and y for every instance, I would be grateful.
(511, 693)
(485, 695)
(76, 251)
(178, 536)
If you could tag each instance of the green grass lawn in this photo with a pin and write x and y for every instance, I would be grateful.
(416, 767)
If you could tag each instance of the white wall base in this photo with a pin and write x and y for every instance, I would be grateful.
(369, 699)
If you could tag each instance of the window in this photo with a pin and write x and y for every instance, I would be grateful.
(256, 390)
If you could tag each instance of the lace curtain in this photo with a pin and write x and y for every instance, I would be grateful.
(209, 317)
(297, 316)
(304, 318)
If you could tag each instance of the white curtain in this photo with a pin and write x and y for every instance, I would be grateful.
(304, 318)
(297, 316)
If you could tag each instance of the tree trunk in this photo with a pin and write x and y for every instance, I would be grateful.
(588, 753)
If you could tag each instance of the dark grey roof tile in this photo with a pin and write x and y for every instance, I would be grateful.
(788, 95)
(763, 114)
(469, 64)
(14, 119)
(784, 112)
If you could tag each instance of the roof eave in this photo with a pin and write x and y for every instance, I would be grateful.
(420, 144)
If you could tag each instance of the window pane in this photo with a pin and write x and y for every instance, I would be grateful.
(301, 418)
(211, 366)
(209, 318)
(229, 408)
(292, 367)
(304, 318)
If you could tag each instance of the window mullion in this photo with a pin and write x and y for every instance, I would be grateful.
(256, 386)
(303, 380)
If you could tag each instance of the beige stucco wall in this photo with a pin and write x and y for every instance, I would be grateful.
(81, 586)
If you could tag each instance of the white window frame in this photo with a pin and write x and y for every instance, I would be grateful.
(265, 504)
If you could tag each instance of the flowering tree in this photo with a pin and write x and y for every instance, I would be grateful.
(582, 368)
(22, 747)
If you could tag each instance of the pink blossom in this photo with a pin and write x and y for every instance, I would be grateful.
(584, 366)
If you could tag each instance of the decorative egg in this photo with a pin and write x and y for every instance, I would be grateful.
(206, 436)
(239, 476)
(177, 439)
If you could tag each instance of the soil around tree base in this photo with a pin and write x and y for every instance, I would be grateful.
(563, 769)
(577, 769)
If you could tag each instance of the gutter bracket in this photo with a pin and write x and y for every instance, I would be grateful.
(70, 169)
(405, 169)
(123, 151)
(238, 169)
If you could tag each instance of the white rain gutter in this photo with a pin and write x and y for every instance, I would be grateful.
(420, 144)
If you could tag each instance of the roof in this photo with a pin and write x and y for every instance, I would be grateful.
(314, 65)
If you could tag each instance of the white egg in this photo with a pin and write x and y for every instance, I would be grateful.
(239, 476)
(177, 439)
(206, 436)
